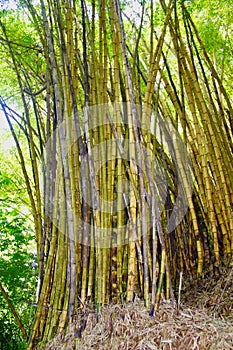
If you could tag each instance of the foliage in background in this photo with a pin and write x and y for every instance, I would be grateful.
(17, 275)
(214, 22)
(17, 239)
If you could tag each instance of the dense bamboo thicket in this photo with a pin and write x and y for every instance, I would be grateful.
(133, 127)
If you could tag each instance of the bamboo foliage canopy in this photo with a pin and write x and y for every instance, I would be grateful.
(133, 127)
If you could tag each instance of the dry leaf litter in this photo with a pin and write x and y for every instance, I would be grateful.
(204, 321)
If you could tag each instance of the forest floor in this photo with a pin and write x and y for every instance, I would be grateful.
(204, 321)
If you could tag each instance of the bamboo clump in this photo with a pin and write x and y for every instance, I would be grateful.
(137, 159)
